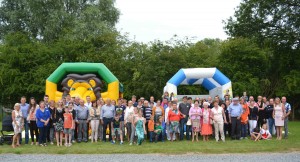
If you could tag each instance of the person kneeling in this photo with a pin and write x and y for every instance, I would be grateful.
(115, 127)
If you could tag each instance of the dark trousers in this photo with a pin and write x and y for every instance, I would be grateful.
(235, 128)
(105, 122)
(227, 128)
(261, 121)
(26, 128)
(244, 128)
(33, 131)
(152, 135)
(43, 134)
(76, 131)
(181, 128)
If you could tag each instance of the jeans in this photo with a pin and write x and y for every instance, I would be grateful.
(43, 134)
(151, 134)
(271, 125)
(100, 131)
(132, 133)
(82, 130)
(286, 129)
(235, 128)
(73, 134)
(107, 121)
(26, 127)
(252, 125)
(244, 129)
(33, 131)
(128, 127)
(51, 135)
(181, 128)
(227, 128)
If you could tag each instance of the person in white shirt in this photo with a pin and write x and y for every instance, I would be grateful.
(128, 119)
(88, 103)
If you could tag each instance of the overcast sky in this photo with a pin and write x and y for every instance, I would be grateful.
(147, 20)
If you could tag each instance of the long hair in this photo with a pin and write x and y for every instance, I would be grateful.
(32, 105)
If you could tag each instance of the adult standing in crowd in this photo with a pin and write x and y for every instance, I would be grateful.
(42, 121)
(158, 111)
(174, 116)
(82, 115)
(261, 111)
(167, 126)
(46, 101)
(94, 113)
(88, 103)
(133, 99)
(235, 112)
(269, 115)
(206, 128)
(25, 109)
(147, 114)
(253, 116)
(195, 114)
(152, 101)
(50, 130)
(279, 116)
(75, 107)
(32, 121)
(128, 119)
(108, 113)
(227, 126)
(100, 103)
(73, 112)
(219, 119)
(58, 122)
(120, 111)
(17, 123)
(288, 109)
(184, 109)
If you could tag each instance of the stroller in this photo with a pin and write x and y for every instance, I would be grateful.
(6, 127)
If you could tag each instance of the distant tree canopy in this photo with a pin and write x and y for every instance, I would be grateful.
(261, 56)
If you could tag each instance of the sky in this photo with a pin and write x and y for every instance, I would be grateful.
(149, 20)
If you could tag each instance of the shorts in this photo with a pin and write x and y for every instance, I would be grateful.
(116, 130)
(67, 131)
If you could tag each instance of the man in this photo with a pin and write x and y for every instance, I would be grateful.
(209, 100)
(82, 115)
(164, 103)
(24, 107)
(143, 100)
(108, 112)
(68, 99)
(147, 114)
(227, 126)
(190, 101)
(88, 103)
(235, 112)
(120, 111)
(46, 100)
(76, 105)
(288, 109)
(152, 101)
(184, 108)
(269, 116)
(133, 99)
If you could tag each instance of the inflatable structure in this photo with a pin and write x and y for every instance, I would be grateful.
(210, 78)
(83, 79)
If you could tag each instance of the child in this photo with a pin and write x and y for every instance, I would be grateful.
(244, 119)
(140, 127)
(264, 132)
(255, 135)
(151, 128)
(68, 125)
(158, 128)
(115, 127)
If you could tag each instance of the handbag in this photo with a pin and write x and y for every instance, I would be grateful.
(189, 122)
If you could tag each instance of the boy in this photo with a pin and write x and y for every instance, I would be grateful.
(68, 125)
(158, 129)
(151, 128)
(115, 127)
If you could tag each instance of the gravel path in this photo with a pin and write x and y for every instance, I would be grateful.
(264, 157)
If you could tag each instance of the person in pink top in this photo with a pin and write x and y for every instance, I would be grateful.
(195, 114)
(206, 128)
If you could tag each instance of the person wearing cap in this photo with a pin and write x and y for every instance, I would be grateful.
(235, 111)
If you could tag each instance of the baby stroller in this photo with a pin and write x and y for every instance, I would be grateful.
(6, 127)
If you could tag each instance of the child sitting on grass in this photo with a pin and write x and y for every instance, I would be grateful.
(264, 132)
(115, 127)
(158, 128)
(151, 128)
(255, 135)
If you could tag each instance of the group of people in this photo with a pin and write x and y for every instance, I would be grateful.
(76, 120)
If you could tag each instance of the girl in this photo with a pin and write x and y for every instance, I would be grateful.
(174, 117)
(279, 115)
(68, 124)
(133, 119)
(58, 122)
(158, 128)
(94, 118)
(255, 135)
(264, 133)
(140, 127)
(195, 113)
(17, 123)
(219, 118)
(206, 128)
(42, 118)
(32, 121)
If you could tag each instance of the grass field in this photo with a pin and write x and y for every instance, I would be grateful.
(182, 147)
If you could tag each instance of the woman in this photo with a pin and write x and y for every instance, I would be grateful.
(227, 127)
(206, 128)
(219, 119)
(95, 119)
(140, 127)
(128, 119)
(253, 116)
(244, 118)
(158, 111)
(50, 131)
(261, 111)
(279, 115)
(195, 114)
(174, 117)
(135, 115)
(100, 103)
(32, 121)
(58, 122)
(17, 123)
(42, 118)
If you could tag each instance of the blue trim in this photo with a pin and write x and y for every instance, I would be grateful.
(208, 85)
(220, 78)
(177, 78)
(191, 81)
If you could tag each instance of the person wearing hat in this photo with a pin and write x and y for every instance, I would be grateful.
(235, 111)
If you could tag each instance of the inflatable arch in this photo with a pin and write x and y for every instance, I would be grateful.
(81, 79)
(210, 78)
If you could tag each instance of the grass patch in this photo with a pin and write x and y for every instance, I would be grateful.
(178, 147)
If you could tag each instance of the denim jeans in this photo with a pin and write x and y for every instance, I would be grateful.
(26, 128)
(286, 129)
(82, 131)
(271, 125)
(181, 128)
(51, 134)
(244, 128)
(152, 135)
(43, 134)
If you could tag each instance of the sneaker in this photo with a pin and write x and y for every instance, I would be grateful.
(121, 143)
(45, 144)
(130, 144)
(73, 141)
(113, 142)
(241, 138)
(66, 144)
(70, 144)
(41, 145)
(51, 143)
(245, 138)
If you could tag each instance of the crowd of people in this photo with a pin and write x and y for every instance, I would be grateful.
(73, 120)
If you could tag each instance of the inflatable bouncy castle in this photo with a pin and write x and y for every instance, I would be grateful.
(83, 79)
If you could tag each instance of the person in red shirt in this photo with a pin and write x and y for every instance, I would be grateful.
(174, 117)
(68, 125)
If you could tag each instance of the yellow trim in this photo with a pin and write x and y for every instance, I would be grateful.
(51, 88)
(112, 91)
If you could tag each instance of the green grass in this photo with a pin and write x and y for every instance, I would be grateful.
(183, 147)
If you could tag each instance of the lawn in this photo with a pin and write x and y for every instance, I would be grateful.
(182, 147)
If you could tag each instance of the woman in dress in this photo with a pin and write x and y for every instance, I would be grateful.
(195, 113)
(206, 128)
(140, 127)
(133, 118)
(219, 119)
(279, 115)
(94, 112)
(58, 122)
(17, 123)
(32, 121)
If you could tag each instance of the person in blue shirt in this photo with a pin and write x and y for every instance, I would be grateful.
(43, 118)
(25, 110)
(288, 109)
(235, 111)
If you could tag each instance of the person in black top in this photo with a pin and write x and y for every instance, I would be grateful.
(227, 126)
(253, 116)
(269, 115)
(58, 122)
(184, 108)
(120, 112)
(73, 111)
(147, 111)
(261, 112)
